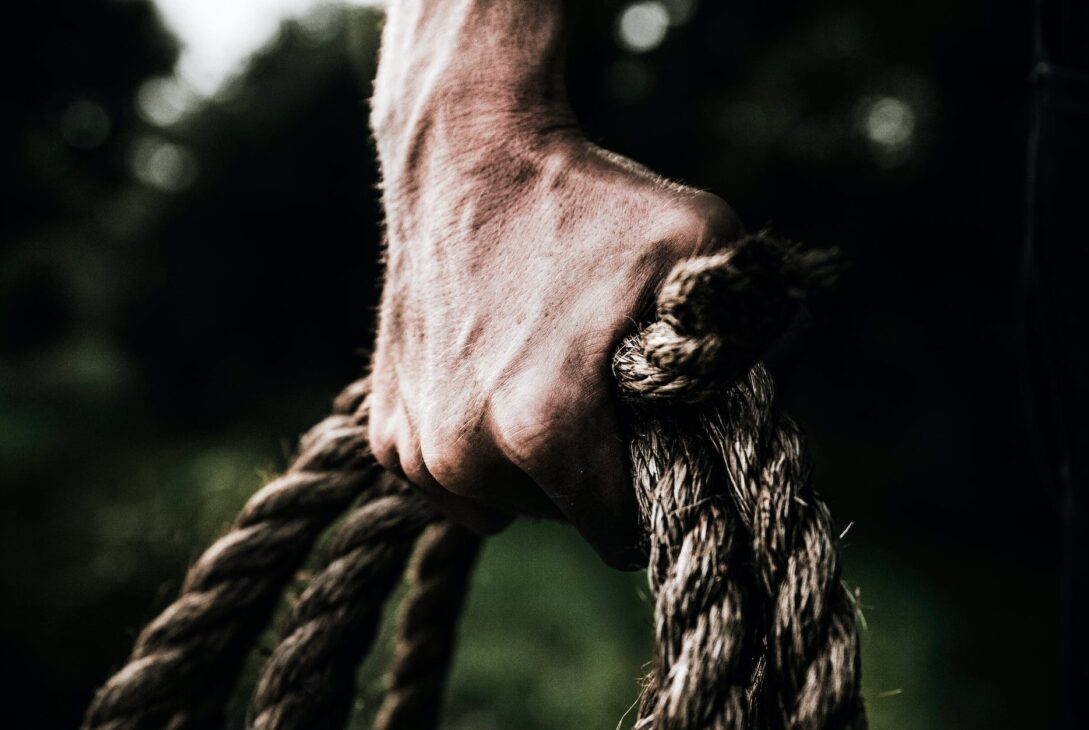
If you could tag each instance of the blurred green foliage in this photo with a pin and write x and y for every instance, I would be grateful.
(177, 301)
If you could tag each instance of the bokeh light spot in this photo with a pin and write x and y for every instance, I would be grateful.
(642, 26)
(322, 24)
(165, 101)
(889, 123)
(163, 165)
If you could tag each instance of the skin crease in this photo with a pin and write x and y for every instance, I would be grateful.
(518, 255)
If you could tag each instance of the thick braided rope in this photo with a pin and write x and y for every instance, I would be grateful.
(753, 627)
(438, 580)
(813, 670)
(187, 660)
(697, 577)
(309, 681)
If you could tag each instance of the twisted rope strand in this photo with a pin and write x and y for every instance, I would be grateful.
(439, 578)
(696, 580)
(187, 660)
(813, 676)
(309, 681)
(788, 656)
(716, 316)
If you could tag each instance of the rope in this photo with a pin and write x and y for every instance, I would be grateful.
(700, 595)
(186, 662)
(753, 627)
(814, 674)
(425, 642)
(309, 681)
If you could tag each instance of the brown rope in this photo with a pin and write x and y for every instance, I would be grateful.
(813, 677)
(753, 627)
(186, 662)
(439, 580)
(309, 681)
(701, 596)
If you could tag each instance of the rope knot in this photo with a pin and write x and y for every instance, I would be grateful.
(716, 315)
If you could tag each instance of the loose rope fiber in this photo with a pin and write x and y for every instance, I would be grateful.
(753, 626)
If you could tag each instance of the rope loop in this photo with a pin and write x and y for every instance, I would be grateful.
(715, 316)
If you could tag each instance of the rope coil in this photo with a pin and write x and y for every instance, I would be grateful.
(753, 627)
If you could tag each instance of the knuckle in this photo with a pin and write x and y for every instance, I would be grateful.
(449, 462)
(703, 222)
(723, 222)
(528, 425)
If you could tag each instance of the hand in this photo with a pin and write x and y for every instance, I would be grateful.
(519, 254)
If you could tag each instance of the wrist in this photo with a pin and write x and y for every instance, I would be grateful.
(470, 71)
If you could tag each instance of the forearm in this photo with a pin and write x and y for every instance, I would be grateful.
(471, 68)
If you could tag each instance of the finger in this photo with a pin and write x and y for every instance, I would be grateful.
(469, 513)
(478, 472)
(592, 487)
(582, 467)
(406, 460)
(479, 518)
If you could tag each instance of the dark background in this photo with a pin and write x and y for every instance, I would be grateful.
(169, 324)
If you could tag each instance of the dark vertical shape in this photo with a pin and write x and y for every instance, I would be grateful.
(1055, 308)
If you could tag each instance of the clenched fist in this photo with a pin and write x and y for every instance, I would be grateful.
(519, 255)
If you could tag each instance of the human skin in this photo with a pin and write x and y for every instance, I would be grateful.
(518, 256)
